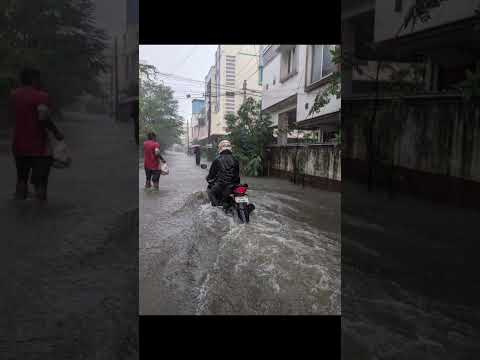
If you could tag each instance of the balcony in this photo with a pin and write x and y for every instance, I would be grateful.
(269, 53)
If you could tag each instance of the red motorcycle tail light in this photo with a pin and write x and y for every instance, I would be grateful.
(240, 190)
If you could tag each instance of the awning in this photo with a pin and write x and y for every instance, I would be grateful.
(287, 102)
(319, 121)
(462, 35)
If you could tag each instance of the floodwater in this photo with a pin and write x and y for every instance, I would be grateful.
(410, 278)
(194, 259)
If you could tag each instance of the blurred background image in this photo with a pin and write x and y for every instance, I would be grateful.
(71, 259)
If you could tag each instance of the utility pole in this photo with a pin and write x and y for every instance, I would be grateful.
(209, 114)
(116, 78)
(188, 138)
(244, 91)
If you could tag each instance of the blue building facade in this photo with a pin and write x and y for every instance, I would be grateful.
(198, 106)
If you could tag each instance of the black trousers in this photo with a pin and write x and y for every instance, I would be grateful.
(37, 168)
(152, 175)
(219, 193)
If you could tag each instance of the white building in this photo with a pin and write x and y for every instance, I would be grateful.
(235, 75)
(292, 77)
(445, 45)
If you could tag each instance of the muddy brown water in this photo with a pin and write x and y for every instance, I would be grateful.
(194, 259)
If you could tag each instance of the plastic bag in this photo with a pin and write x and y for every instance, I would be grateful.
(59, 152)
(164, 170)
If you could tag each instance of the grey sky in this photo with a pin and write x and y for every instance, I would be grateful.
(190, 61)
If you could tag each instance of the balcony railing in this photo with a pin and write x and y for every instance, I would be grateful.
(269, 53)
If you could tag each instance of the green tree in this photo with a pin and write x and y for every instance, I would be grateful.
(58, 37)
(333, 87)
(401, 83)
(158, 109)
(250, 132)
(418, 11)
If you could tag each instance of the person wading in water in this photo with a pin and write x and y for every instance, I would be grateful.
(151, 160)
(31, 110)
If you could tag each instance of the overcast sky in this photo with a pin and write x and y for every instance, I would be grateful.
(190, 61)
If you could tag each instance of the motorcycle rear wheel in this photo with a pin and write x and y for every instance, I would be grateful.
(243, 214)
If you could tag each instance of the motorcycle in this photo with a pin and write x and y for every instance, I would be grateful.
(237, 202)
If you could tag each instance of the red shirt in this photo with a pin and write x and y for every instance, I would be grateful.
(149, 159)
(29, 138)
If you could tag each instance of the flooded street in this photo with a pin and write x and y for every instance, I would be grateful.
(409, 291)
(194, 259)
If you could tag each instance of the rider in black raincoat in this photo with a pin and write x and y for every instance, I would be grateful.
(223, 175)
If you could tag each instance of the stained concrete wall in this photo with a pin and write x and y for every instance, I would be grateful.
(437, 135)
(314, 161)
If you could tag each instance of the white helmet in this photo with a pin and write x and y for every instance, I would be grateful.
(224, 145)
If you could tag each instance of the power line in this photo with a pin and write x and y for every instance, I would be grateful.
(194, 82)
(255, 57)
(188, 83)
(229, 94)
(256, 71)
(243, 68)
(222, 87)
(197, 82)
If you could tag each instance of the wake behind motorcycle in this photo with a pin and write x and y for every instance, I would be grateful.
(236, 202)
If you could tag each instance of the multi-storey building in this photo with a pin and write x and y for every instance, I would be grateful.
(293, 75)
(235, 76)
(197, 121)
(400, 149)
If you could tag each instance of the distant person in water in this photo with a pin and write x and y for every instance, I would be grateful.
(198, 154)
(151, 160)
(31, 109)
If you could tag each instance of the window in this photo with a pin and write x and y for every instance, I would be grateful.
(321, 62)
(288, 64)
(269, 52)
(260, 75)
(316, 63)
(327, 64)
(291, 61)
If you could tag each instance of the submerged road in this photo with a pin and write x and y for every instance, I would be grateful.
(194, 259)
